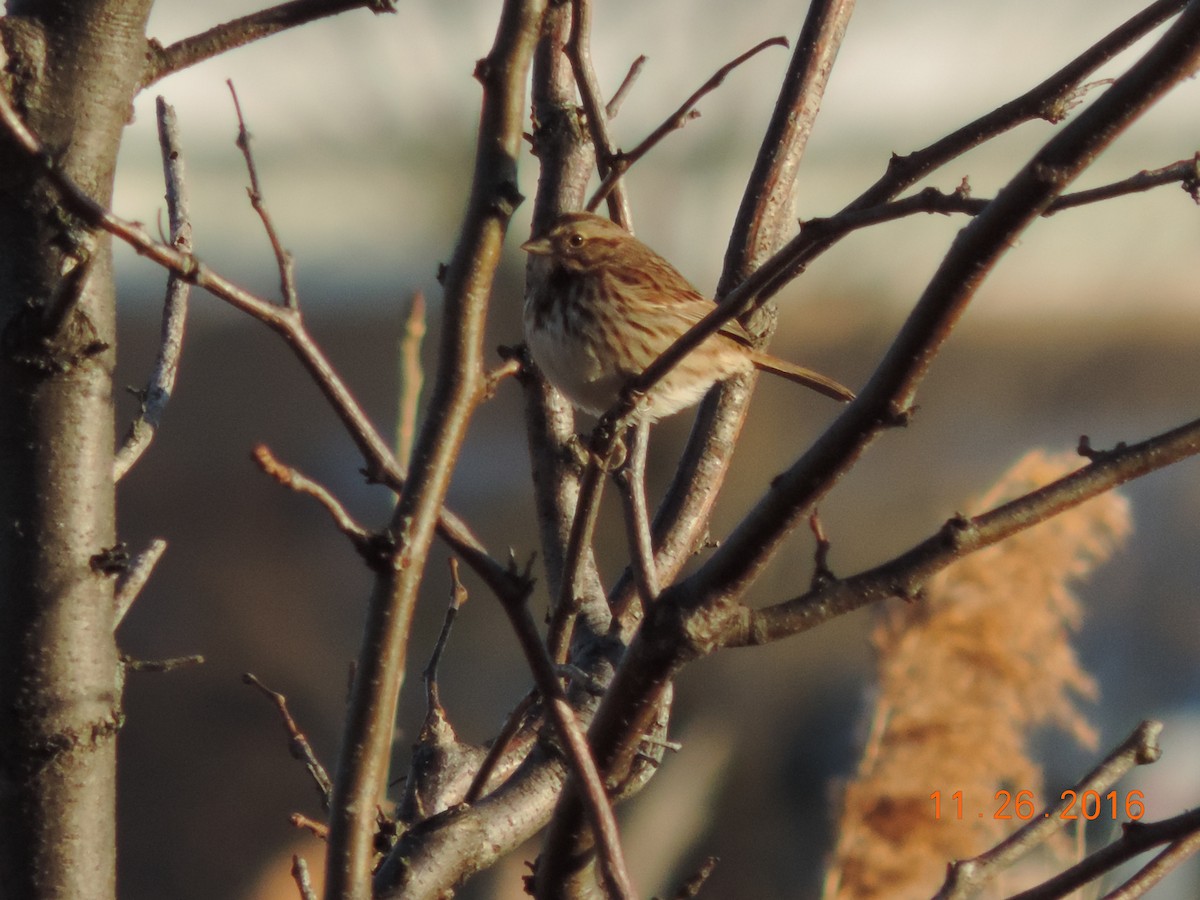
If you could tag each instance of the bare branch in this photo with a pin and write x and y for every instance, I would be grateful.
(965, 877)
(692, 887)
(1185, 172)
(381, 464)
(412, 378)
(1049, 100)
(1153, 872)
(317, 829)
(620, 161)
(579, 51)
(458, 596)
(1181, 832)
(889, 395)
(568, 160)
(904, 575)
(134, 578)
(166, 364)
(283, 259)
(457, 390)
(586, 777)
(292, 479)
(300, 876)
(635, 69)
(631, 478)
(500, 746)
(764, 220)
(577, 559)
(766, 215)
(162, 665)
(791, 259)
(298, 744)
(163, 61)
(700, 613)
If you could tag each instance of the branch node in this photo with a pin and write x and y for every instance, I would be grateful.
(482, 71)
(822, 574)
(1090, 453)
(506, 199)
(898, 416)
(112, 560)
(1191, 181)
(134, 578)
(957, 529)
(1059, 107)
(298, 745)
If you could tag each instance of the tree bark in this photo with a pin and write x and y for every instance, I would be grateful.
(71, 70)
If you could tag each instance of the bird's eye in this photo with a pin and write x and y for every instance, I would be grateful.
(575, 240)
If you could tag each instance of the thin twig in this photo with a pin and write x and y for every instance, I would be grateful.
(691, 888)
(1155, 870)
(512, 724)
(620, 162)
(614, 105)
(412, 378)
(302, 484)
(821, 571)
(570, 595)
(458, 596)
(1136, 838)
(312, 826)
(158, 390)
(300, 875)
(631, 478)
(134, 578)
(1185, 172)
(163, 665)
(579, 52)
(163, 61)
(507, 369)
(298, 744)
(283, 259)
(965, 877)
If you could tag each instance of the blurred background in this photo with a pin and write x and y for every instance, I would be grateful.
(363, 133)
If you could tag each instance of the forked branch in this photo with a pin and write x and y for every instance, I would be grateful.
(906, 574)
(381, 464)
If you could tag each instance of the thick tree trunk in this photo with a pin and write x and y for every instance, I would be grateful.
(71, 71)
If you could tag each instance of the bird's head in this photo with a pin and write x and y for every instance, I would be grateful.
(582, 242)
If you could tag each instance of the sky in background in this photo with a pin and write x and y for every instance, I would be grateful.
(363, 130)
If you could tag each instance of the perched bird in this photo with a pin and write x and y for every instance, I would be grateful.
(611, 306)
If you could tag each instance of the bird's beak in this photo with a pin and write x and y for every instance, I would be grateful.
(537, 246)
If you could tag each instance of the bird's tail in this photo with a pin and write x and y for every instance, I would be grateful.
(807, 377)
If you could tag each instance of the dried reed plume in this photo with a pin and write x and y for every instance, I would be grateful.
(965, 675)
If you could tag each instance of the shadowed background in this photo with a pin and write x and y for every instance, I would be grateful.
(363, 130)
